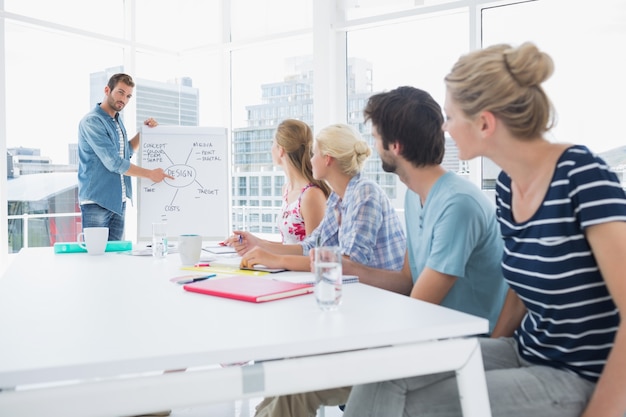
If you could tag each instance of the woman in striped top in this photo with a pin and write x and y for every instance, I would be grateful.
(559, 347)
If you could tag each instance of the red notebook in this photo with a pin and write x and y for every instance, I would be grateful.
(248, 288)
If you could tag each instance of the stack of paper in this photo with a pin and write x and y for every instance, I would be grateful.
(310, 278)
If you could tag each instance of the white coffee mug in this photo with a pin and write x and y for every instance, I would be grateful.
(94, 239)
(189, 248)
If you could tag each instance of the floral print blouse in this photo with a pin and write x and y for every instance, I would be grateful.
(291, 223)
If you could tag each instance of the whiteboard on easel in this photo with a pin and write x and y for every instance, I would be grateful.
(196, 201)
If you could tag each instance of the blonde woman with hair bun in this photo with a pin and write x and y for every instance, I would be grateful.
(559, 346)
(359, 217)
(342, 142)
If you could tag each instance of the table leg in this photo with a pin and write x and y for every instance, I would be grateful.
(473, 386)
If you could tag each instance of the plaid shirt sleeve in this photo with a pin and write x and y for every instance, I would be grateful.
(371, 232)
(326, 232)
(364, 224)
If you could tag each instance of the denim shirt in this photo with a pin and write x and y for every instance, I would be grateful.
(99, 162)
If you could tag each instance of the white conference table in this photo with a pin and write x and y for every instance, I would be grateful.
(85, 335)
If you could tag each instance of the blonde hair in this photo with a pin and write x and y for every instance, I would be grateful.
(296, 138)
(507, 82)
(345, 145)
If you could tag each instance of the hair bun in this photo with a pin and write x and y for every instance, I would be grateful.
(528, 65)
(361, 147)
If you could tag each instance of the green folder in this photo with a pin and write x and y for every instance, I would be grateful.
(74, 247)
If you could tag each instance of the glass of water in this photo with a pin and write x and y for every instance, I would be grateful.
(159, 240)
(328, 273)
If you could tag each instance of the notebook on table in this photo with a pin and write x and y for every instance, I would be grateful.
(219, 249)
(249, 288)
(263, 268)
(310, 279)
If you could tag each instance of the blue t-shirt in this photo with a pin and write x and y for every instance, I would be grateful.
(456, 233)
(571, 319)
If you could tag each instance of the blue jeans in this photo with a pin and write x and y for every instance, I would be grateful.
(516, 388)
(95, 216)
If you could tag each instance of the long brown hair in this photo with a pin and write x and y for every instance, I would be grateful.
(296, 138)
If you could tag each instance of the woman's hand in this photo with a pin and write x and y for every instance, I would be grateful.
(257, 256)
(312, 259)
(242, 241)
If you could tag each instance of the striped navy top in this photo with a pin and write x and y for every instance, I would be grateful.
(571, 319)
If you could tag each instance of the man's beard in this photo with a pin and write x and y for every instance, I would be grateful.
(114, 105)
(388, 166)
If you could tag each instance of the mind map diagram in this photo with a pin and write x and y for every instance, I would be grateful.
(196, 199)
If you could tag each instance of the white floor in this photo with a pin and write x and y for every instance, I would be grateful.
(243, 408)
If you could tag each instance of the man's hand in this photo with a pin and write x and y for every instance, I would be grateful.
(134, 142)
(158, 175)
(150, 122)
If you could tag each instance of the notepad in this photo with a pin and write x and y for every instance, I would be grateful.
(219, 249)
(247, 288)
(226, 269)
(310, 278)
(263, 268)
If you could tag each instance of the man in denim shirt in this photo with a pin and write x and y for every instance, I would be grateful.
(104, 167)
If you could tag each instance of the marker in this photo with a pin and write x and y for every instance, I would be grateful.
(190, 281)
(202, 264)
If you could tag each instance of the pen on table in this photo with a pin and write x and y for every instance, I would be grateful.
(190, 281)
(202, 264)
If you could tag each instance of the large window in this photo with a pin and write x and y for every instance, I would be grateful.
(280, 87)
(45, 100)
(178, 26)
(56, 69)
(248, 64)
(587, 87)
(367, 9)
(45, 97)
(253, 19)
(105, 18)
(429, 44)
(282, 79)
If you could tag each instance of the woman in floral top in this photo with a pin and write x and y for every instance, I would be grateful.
(292, 226)
(304, 198)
